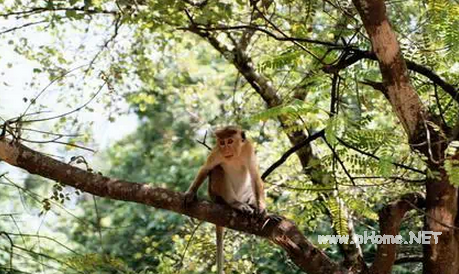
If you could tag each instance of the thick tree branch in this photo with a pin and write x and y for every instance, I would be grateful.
(405, 101)
(285, 234)
(390, 218)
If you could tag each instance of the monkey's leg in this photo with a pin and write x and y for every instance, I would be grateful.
(220, 256)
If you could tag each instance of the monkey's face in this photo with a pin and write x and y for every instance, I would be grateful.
(229, 147)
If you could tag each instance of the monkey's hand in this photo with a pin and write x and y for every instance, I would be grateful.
(190, 197)
(260, 210)
(242, 207)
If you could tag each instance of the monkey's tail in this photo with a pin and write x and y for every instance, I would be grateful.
(220, 257)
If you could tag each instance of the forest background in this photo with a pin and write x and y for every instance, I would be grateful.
(355, 122)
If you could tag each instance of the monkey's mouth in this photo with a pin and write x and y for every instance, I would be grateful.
(228, 156)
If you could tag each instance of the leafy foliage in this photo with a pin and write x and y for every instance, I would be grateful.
(339, 219)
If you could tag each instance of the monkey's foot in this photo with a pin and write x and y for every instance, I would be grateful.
(190, 197)
(275, 218)
(272, 220)
(242, 207)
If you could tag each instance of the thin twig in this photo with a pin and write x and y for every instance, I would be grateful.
(203, 142)
(34, 100)
(188, 244)
(339, 161)
(40, 9)
(69, 112)
(292, 150)
(440, 110)
(395, 178)
(97, 224)
(40, 141)
(267, 32)
(46, 238)
(49, 132)
(377, 158)
(11, 247)
(117, 24)
(23, 26)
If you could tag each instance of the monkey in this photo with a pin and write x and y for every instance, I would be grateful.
(234, 179)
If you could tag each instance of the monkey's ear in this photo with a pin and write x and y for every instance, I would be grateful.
(243, 135)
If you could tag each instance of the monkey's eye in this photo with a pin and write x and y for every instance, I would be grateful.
(222, 142)
(230, 141)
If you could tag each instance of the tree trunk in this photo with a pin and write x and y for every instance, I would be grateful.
(441, 196)
(441, 212)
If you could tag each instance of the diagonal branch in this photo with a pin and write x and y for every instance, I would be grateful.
(292, 150)
(285, 233)
(344, 143)
(343, 166)
(26, 25)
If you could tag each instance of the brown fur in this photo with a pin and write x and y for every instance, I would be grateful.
(229, 131)
(231, 164)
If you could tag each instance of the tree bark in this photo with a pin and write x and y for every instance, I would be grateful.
(441, 212)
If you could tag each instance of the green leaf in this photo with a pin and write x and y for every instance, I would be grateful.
(385, 166)
(452, 169)
(70, 13)
(331, 130)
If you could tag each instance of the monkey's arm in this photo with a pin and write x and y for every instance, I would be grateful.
(258, 189)
(212, 161)
(257, 182)
(202, 175)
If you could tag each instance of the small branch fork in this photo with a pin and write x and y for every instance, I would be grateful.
(203, 142)
(390, 219)
(343, 166)
(354, 55)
